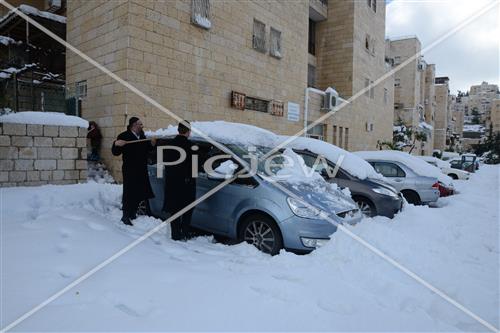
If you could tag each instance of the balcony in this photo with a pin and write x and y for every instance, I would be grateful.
(318, 10)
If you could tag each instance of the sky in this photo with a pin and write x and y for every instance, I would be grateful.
(468, 57)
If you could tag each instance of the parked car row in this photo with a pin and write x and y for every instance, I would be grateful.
(295, 213)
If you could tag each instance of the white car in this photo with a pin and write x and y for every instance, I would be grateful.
(446, 168)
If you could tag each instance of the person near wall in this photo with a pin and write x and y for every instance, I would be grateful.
(136, 185)
(95, 137)
(180, 185)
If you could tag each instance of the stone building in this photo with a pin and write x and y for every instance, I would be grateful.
(441, 113)
(481, 97)
(495, 116)
(245, 61)
(414, 92)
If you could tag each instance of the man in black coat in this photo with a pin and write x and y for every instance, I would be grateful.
(180, 185)
(136, 186)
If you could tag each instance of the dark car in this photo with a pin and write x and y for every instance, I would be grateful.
(373, 196)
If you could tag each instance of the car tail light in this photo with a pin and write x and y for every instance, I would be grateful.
(435, 185)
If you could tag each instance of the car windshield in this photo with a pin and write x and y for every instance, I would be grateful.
(245, 152)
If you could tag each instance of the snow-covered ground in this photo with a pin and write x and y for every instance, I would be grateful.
(51, 235)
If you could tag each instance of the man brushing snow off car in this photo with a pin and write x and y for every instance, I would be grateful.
(134, 147)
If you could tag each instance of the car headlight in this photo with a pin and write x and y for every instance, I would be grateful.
(384, 191)
(301, 209)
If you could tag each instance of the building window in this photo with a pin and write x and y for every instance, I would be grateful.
(369, 3)
(256, 104)
(316, 132)
(311, 76)
(367, 90)
(397, 82)
(397, 60)
(312, 37)
(386, 95)
(367, 42)
(341, 134)
(259, 36)
(372, 90)
(81, 88)
(334, 134)
(275, 48)
(374, 5)
(200, 13)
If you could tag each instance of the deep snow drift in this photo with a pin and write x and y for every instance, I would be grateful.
(51, 235)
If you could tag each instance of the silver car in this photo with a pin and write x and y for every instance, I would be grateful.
(415, 188)
(254, 209)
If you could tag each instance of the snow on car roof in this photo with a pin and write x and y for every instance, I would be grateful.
(351, 163)
(226, 132)
(418, 165)
(43, 118)
(440, 163)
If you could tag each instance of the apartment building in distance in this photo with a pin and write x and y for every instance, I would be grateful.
(481, 97)
(495, 116)
(441, 116)
(414, 93)
(240, 61)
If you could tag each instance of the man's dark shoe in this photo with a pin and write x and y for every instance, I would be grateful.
(126, 221)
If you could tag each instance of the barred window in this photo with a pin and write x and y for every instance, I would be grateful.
(200, 13)
(275, 49)
(81, 88)
(259, 36)
(256, 104)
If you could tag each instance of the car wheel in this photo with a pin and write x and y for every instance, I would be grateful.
(366, 207)
(453, 176)
(263, 233)
(412, 197)
(143, 208)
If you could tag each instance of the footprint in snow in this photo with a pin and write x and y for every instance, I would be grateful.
(288, 278)
(273, 293)
(65, 233)
(62, 248)
(68, 271)
(127, 310)
(96, 226)
(343, 309)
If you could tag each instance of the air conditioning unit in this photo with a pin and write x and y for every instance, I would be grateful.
(330, 99)
(421, 66)
(369, 127)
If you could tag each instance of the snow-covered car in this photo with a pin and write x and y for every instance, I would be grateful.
(471, 158)
(277, 207)
(446, 168)
(459, 164)
(370, 190)
(417, 180)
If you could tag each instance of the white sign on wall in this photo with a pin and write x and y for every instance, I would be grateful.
(293, 111)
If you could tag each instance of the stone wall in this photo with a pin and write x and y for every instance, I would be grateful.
(32, 155)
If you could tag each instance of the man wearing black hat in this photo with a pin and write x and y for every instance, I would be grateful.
(180, 186)
(136, 186)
